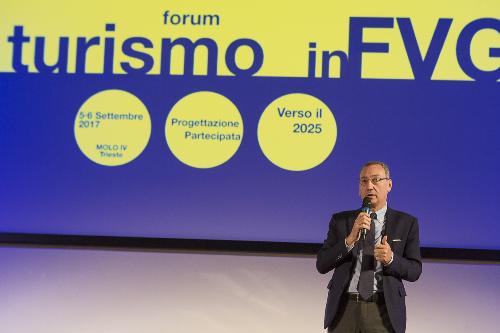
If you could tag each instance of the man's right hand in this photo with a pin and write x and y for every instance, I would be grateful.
(363, 221)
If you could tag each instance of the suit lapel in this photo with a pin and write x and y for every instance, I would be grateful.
(350, 223)
(390, 225)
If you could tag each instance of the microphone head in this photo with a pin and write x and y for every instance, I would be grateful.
(367, 202)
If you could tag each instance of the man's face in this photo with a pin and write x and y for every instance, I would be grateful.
(376, 191)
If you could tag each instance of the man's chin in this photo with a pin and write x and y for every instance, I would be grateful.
(374, 202)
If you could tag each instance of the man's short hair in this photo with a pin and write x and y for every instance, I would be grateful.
(382, 164)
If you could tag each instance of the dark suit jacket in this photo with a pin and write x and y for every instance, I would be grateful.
(402, 235)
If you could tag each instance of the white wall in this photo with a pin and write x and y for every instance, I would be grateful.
(94, 291)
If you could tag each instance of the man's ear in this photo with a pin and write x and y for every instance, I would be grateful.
(390, 185)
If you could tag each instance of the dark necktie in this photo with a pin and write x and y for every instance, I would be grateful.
(366, 278)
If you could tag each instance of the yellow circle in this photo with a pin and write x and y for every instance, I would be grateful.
(204, 129)
(297, 132)
(112, 127)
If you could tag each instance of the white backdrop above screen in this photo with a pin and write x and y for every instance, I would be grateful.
(200, 121)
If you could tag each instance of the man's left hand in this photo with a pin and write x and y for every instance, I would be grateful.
(383, 252)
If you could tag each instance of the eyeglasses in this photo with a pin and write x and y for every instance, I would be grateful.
(374, 180)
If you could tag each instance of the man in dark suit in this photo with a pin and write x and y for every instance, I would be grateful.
(366, 292)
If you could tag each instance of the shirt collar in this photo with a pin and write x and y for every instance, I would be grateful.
(381, 213)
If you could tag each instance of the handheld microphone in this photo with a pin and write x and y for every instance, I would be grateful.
(366, 207)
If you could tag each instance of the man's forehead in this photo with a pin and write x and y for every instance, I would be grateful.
(372, 170)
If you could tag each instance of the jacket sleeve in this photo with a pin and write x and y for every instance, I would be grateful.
(408, 266)
(334, 251)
